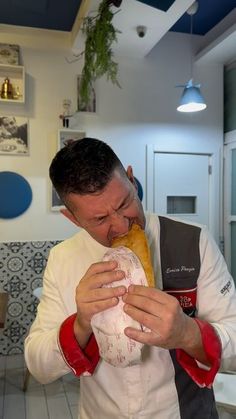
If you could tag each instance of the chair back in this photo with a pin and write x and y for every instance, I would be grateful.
(3, 308)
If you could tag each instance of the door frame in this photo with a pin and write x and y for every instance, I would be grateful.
(215, 186)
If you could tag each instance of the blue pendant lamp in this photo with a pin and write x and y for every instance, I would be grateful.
(191, 99)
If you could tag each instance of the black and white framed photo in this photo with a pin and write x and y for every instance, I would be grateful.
(14, 138)
(65, 137)
(9, 54)
(89, 107)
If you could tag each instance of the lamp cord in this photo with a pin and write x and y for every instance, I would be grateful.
(191, 45)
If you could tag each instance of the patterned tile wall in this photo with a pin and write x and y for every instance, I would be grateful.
(21, 271)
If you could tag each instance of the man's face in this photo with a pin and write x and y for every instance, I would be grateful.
(109, 213)
(10, 125)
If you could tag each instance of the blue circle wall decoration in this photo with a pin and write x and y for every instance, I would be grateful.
(15, 194)
(140, 189)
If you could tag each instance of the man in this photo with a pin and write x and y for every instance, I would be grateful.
(10, 129)
(181, 354)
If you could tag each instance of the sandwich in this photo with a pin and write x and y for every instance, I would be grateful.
(136, 241)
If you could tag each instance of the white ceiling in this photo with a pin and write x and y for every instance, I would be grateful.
(134, 13)
(219, 44)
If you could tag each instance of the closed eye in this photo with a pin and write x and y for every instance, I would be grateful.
(100, 220)
(126, 203)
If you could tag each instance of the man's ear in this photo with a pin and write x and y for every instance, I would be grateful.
(131, 177)
(70, 216)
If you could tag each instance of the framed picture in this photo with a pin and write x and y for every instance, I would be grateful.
(9, 54)
(65, 137)
(91, 106)
(14, 139)
(57, 204)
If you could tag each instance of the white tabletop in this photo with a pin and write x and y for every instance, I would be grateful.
(225, 389)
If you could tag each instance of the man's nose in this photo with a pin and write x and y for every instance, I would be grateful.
(120, 224)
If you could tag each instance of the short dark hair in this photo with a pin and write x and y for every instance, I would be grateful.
(83, 167)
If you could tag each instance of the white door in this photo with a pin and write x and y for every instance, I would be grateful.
(230, 202)
(182, 185)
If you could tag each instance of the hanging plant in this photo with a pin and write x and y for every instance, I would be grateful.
(98, 56)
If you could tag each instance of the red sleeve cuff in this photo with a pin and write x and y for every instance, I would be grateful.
(212, 348)
(81, 362)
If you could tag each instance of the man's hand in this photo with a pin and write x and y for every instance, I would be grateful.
(168, 326)
(91, 298)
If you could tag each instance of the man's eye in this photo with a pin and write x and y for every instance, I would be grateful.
(126, 204)
(100, 220)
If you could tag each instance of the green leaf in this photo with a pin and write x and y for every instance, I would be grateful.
(98, 57)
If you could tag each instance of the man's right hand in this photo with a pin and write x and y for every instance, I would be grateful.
(91, 297)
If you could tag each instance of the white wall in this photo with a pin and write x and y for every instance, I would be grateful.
(142, 112)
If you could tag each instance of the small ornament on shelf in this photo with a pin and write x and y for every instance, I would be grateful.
(7, 90)
(65, 116)
(16, 92)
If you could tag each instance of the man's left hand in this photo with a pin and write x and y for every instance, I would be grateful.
(161, 313)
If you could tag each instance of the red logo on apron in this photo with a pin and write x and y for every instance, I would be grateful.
(187, 298)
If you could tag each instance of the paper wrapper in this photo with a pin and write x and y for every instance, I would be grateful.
(108, 326)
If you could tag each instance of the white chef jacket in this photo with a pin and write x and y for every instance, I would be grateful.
(147, 390)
